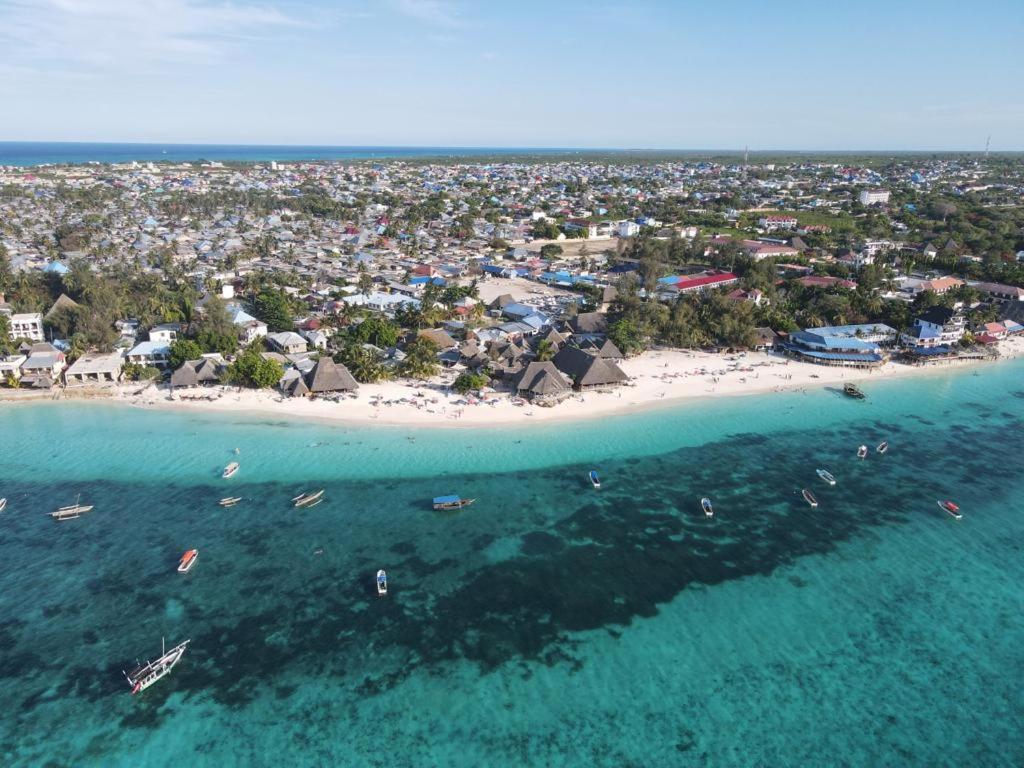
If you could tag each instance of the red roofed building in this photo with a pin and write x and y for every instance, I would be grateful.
(825, 281)
(754, 296)
(703, 282)
(758, 250)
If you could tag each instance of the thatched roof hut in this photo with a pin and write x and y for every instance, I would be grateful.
(586, 370)
(329, 376)
(541, 380)
(192, 373)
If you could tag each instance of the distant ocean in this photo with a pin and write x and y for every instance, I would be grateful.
(31, 153)
(549, 624)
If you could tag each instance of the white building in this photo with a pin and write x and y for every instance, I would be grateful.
(153, 354)
(772, 223)
(27, 325)
(627, 228)
(873, 196)
(936, 327)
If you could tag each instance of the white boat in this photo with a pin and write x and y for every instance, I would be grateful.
(146, 674)
(594, 479)
(229, 501)
(705, 504)
(827, 476)
(862, 452)
(3, 504)
(809, 498)
(188, 560)
(73, 511)
(950, 509)
(229, 470)
(308, 499)
(882, 447)
(382, 583)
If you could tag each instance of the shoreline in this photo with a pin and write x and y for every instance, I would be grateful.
(659, 379)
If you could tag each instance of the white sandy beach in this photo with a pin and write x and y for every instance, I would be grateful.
(658, 378)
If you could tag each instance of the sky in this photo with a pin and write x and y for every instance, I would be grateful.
(768, 74)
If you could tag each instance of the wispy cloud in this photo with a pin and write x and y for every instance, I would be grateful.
(100, 35)
(434, 12)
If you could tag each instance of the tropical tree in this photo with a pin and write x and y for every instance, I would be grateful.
(251, 369)
(545, 350)
(365, 365)
(467, 382)
(182, 350)
(420, 359)
(272, 307)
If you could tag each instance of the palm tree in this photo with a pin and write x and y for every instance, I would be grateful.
(545, 350)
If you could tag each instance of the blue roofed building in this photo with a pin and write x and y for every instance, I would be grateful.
(841, 345)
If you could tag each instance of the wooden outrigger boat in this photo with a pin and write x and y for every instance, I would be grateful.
(146, 674)
(809, 498)
(451, 502)
(230, 470)
(71, 512)
(229, 501)
(308, 499)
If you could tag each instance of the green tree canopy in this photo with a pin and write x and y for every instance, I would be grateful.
(273, 308)
(251, 369)
(182, 350)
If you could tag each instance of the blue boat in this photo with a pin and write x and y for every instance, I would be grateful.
(594, 479)
(451, 502)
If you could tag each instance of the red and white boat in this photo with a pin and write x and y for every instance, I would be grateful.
(950, 508)
(188, 560)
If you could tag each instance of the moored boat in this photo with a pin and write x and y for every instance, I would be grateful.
(852, 390)
(71, 512)
(3, 504)
(705, 504)
(809, 498)
(229, 501)
(862, 452)
(827, 476)
(882, 447)
(382, 583)
(229, 470)
(188, 560)
(146, 674)
(950, 509)
(451, 502)
(594, 479)
(308, 499)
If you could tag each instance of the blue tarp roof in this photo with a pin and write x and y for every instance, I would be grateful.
(446, 499)
(812, 338)
(851, 356)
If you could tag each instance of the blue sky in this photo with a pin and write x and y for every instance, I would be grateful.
(724, 74)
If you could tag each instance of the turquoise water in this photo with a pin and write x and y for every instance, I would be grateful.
(549, 624)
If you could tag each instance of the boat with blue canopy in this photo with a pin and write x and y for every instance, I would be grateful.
(451, 502)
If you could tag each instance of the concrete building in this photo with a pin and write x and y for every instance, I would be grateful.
(873, 196)
(94, 369)
(27, 325)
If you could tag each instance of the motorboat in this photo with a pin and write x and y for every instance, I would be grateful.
(882, 447)
(308, 499)
(451, 502)
(809, 498)
(852, 390)
(827, 476)
(705, 504)
(230, 470)
(229, 501)
(950, 508)
(862, 452)
(146, 674)
(594, 479)
(382, 583)
(3, 504)
(188, 560)
(71, 512)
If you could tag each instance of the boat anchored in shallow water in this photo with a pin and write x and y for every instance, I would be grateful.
(230, 470)
(950, 509)
(862, 452)
(852, 390)
(188, 560)
(809, 498)
(145, 675)
(705, 504)
(382, 583)
(229, 501)
(594, 479)
(71, 512)
(882, 447)
(308, 499)
(451, 502)
(827, 476)
(3, 504)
